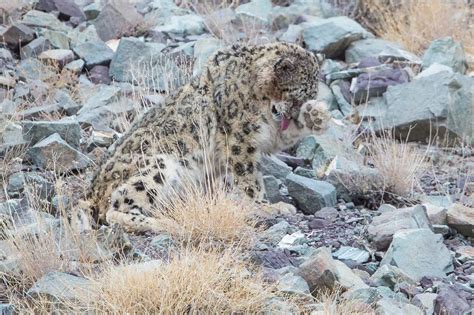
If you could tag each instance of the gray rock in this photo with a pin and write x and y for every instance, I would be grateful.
(271, 165)
(306, 172)
(7, 309)
(447, 52)
(461, 218)
(17, 34)
(365, 48)
(75, 66)
(79, 35)
(419, 253)
(389, 276)
(272, 188)
(333, 35)
(375, 84)
(38, 19)
(436, 214)
(94, 53)
(322, 273)
(190, 24)
(341, 91)
(12, 135)
(328, 213)
(451, 300)
(374, 294)
(35, 48)
(69, 9)
(351, 253)
(29, 181)
(293, 284)
(310, 195)
(434, 68)
(117, 19)
(58, 39)
(275, 233)
(272, 258)
(203, 49)
(255, 12)
(392, 307)
(64, 101)
(383, 227)
(53, 153)
(425, 301)
(292, 34)
(100, 75)
(325, 95)
(69, 130)
(439, 102)
(307, 148)
(58, 287)
(57, 56)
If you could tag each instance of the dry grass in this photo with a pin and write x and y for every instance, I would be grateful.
(416, 23)
(399, 163)
(194, 282)
(334, 304)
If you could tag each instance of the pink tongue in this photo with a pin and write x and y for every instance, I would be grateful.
(284, 123)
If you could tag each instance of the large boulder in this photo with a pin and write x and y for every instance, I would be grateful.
(437, 105)
(419, 253)
(69, 130)
(116, 19)
(383, 227)
(333, 35)
(447, 52)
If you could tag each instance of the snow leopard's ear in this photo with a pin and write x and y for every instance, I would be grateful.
(284, 68)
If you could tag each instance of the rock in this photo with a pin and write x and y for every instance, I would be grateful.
(57, 56)
(58, 287)
(327, 213)
(100, 75)
(69, 130)
(293, 284)
(274, 259)
(326, 95)
(271, 165)
(190, 24)
(17, 34)
(35, 48)
(292, 34)
(53, 153)
(255, 12)
(389, 276)
(437, 215)
(383, 227)
(447, 52)
(357, 255)
(392, 307)
(289, 241)
(318, 224)
(365, 48)
(92, 11)
(7, 309)
(29, 181)
(66, 8)
(272, 188)
(435, 68)
(75, 66)
(117, 19)
(42, 20)
(425, 301)
(58, 40)
(306, 172)
(94, 53)
(275, 233)
(373, 294)
(461, 218)
(375, 84)
(310, 195)
(203, 49)
(465, 253)
(306, 148)
(341, 91)
(64, 101)
(451, 300)
(333, 35)
(322, 273)
(418, 253)
(437, 102)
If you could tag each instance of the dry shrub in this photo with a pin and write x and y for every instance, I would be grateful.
(399, 163)
(416, 23)
(193, 282)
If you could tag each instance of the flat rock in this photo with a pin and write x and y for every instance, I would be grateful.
(389, 276)
(366, 48)
(38, 19)
(53, 153)
(61, 287)
(35, 47)
(461, 218)
(383, 227)
(271, 165)
(310, 195)
(94, 53)
(58, 56)
(419, 253)
(322, 273)
(69, 130)
(357, 255)
(447, 52)
(17, 34)
(333, 35)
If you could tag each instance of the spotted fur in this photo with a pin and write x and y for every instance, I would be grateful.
(232, 111)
